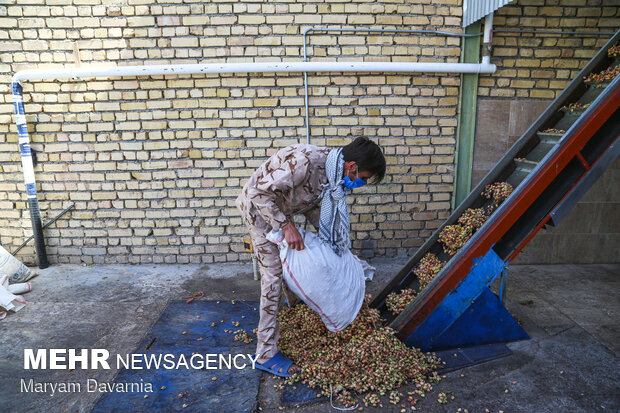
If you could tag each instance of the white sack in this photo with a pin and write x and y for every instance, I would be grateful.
(332, 286)
(11, 266)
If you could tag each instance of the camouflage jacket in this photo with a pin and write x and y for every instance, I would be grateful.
(288, 183)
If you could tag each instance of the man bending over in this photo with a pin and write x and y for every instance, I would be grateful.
(300, 179)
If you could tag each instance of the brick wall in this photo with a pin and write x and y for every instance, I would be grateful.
(540, 66)
(153, 164)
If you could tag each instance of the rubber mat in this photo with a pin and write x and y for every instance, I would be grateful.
(300, 394)
(186, 330)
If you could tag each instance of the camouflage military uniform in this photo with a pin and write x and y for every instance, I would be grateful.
(288, 183)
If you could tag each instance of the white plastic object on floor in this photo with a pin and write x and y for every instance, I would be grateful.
(332, 286)
(9, 301)
(11, 266)
(19, 288)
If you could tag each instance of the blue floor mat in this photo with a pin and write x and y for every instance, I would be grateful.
(299, 395)
(232, 390)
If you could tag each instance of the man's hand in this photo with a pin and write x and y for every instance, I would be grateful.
(293, 237)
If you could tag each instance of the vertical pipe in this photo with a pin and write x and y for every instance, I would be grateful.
(306, 102)
(31, 189)
(306, 88)
(488, 38)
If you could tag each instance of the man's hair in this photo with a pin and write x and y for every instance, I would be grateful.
(367, 155)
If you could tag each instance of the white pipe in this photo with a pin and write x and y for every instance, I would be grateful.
(274, 67)
(488, 38)
(488, 25)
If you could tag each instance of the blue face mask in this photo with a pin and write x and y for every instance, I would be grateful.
(353, 184)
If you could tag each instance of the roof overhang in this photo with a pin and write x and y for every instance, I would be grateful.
(474, 10)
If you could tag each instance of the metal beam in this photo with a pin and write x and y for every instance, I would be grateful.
(466, 123)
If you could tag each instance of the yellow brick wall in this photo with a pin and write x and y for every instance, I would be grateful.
(540, 66)
(153, 164)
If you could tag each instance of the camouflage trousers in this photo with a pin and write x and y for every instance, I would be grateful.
(271, 285)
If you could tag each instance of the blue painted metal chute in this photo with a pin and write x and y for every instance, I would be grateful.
(471, 315)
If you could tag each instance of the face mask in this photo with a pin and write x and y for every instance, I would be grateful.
(353, 184)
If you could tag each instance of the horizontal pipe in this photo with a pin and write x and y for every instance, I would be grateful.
(554, 32)
(406, 31)
(252, 67)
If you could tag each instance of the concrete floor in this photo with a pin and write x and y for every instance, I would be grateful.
(572, 362)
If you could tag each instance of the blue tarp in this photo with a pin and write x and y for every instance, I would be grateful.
(231, 390)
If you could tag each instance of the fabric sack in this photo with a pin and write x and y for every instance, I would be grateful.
(11, 266)
(332, 286)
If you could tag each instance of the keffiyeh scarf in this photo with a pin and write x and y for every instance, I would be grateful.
(334, 224)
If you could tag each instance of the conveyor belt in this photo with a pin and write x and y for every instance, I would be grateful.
(549, 172)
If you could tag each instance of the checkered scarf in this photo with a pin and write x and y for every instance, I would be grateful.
(334, 225)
